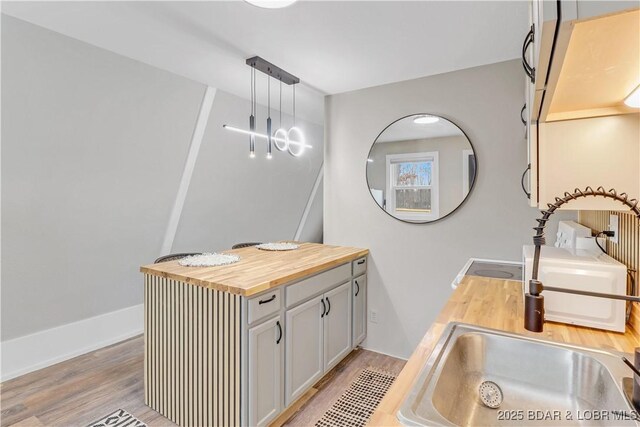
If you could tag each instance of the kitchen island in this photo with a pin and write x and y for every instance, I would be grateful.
(237, 344)
(496, 304)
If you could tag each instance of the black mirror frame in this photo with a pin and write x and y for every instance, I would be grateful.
(473, 184)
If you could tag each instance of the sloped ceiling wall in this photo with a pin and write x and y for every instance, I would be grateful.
(233, 198)
(93, 149)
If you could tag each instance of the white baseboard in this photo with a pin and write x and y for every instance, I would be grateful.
(382, 352)
(29, 353)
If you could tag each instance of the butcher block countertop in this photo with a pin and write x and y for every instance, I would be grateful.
(258, 270)
(496, 304)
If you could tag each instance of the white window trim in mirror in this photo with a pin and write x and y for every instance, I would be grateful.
(465, 171)
(390, 205)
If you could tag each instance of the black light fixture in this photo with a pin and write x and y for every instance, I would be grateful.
(252, 116)
(292, 140)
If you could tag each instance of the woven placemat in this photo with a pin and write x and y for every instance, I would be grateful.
(278, 246)
(357, 403)
(209, 260)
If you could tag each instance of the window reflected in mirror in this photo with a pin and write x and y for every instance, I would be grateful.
(421, 168)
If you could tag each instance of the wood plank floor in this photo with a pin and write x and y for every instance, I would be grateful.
(331, 387)
(88, 387)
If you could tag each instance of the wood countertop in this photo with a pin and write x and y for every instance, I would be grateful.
(259, 270)
(496, 304)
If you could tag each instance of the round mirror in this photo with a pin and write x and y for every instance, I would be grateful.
(421, 168)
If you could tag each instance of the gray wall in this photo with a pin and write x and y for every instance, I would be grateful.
(412, 266)
(93, 148)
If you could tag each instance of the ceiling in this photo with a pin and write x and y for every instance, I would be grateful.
(406, 130)
(333, 46)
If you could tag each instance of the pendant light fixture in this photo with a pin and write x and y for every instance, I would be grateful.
(295, 134)
(269, 117)
(292, 140)
(280, 135)
(252, 117)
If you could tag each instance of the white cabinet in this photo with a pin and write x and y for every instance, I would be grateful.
(318, 336)
(337, 325)
(266, 364)
(296, 334)
(359, 292)
(304, 347)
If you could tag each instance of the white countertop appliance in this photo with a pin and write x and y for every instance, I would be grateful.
(572, 235)
(584, 270)
(569, 232)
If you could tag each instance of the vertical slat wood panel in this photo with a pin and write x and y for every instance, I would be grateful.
(627, 250)
(192, 354)
(146, 336)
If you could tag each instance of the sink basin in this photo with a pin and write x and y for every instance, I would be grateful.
(535, 382)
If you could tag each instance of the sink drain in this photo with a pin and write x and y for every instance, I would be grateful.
(490, 394)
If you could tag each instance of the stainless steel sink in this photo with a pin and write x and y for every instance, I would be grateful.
(535, 382)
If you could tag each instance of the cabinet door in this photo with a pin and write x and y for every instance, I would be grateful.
(359, 292)
(266, 360)
(266, 363)
(303, 356)
(337, 325)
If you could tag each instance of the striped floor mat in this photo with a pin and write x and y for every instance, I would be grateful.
(118, 418)
(355, 406)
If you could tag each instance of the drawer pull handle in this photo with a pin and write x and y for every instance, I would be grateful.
(361, 262)
(522, 181)
(329, 304)
(528, 69)
(264, 301)
(524, 107)
(357, 288)
(279, 332)
(324, 308)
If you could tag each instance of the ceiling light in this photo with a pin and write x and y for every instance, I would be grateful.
(425, 120)
(271, 4)
(292, 140)
(633, 100)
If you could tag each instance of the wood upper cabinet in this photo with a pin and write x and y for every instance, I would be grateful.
(359, 292)
(337, 325)
(598, 151)
(586, 56)
(304, 347)
(266, 371)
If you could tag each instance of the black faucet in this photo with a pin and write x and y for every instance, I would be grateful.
(533, 300)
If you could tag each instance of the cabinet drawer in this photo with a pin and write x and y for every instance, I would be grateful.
(317, 284)
(264, 305)
(359, 266)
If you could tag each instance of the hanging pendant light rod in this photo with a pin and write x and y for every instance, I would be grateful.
(292, 140)
(266, 137)
(272, 70)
